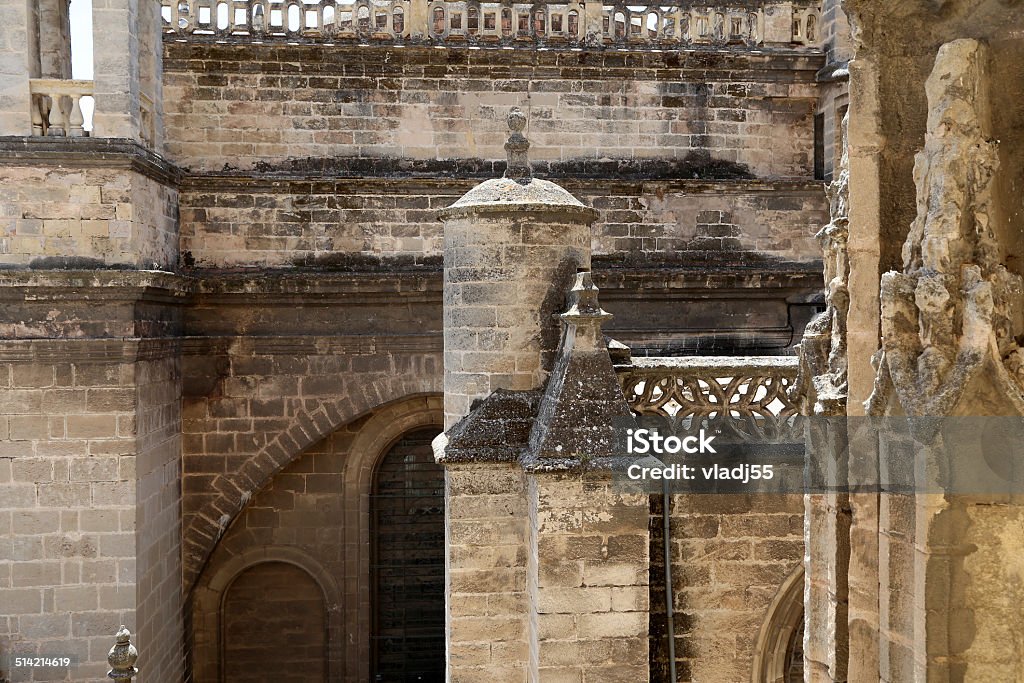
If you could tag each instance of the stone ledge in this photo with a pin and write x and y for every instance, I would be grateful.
(87, 350)
(313, 345)
(105, 285)
(332, 175)
(87, 152)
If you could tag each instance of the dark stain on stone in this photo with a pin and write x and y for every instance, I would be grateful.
(698, 164)
(350, 262)
(72, 263)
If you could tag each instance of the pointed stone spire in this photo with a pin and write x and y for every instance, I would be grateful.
(122, 657)
(585, 314)
(517, 147)
(583, 403)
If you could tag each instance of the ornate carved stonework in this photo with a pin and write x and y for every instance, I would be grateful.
(951, 312)
(820, 387)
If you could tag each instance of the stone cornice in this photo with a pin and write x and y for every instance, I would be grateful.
(131, 350)
(268, 286)
(462, 176)
(88, 350)
(359, 288)
(94, 285)
(777, 62)
(330, 175)
(85, 152)
(314, 345)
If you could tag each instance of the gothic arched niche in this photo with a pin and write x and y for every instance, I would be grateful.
(778, 654)
(407, 570)
(274, 623)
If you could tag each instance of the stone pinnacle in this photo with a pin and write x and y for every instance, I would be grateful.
(517, 147)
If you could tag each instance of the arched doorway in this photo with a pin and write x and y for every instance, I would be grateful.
(407, 565)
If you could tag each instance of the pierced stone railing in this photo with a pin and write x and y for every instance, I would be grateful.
(57, 106)
(710, 386)
(749, 393)
(682, 23)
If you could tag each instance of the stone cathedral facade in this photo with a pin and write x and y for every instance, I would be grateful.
(315, 323)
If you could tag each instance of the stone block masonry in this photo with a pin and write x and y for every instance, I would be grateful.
(89, 463)
(730, 554)
(486, 532)
(235, 222)
(314, 515)
(588, 580)
(294, 106)
(87, 217)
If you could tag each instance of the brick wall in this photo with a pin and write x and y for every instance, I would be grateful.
(53, 216)
(271, 107)
(730, 555)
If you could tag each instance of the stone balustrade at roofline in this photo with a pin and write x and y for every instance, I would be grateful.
(679, 24)
(57, 106)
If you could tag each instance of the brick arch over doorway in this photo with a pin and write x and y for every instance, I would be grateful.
(234, 488)
(318, 505)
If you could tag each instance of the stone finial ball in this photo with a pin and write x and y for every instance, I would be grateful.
(516, 120)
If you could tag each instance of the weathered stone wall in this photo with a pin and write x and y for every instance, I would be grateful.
(486, 534)
(834, 87)
(68, 574)
(730, 555)
(505, 281)
(293, 107)
(268, 605)
(237, 222)
(19, 45)
(589, 592)
(158, 516)
(52, 217)
(265, 405)
(54, 39)
(125, 33)
(916, 567)
(837, 42)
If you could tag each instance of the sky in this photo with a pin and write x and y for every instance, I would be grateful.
(81, 50)
(81, 39)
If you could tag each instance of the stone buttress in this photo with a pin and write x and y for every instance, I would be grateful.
(547, 564)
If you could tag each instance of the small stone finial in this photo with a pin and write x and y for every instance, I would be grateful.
(517, 147)
(583, 303)
(122, 657)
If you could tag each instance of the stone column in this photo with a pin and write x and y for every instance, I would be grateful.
(115, 68)
(19, 61)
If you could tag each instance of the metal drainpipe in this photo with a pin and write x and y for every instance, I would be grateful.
(670, 616)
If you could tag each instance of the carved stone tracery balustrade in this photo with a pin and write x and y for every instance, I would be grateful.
(742, 395)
